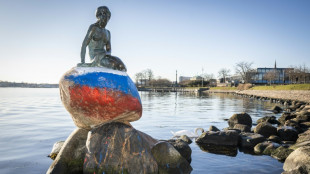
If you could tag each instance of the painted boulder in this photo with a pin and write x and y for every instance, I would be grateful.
(97, 95)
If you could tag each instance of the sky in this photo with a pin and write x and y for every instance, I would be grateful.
(40, 40)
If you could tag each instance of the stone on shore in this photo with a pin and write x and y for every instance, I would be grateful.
(219, 149)
(71, 156)
(269, 119)
(169, 159)
(298, 161)
(265, 148)
(303, 137)
(241, 118)
(265, 129)
(287, 133)
(119, 148)
(250, 140)
(116, 148)
(274, 139)
(286, 116)
(276, 109)
(97, 95)
(281, 153)
(242, 127)
(226, 138)
(182, 147)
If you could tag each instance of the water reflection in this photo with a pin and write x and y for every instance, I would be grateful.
(165, 112)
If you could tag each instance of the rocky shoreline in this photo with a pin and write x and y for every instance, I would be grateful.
(283, 95)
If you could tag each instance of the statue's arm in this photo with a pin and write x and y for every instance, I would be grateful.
(108, 45)
(86, 42)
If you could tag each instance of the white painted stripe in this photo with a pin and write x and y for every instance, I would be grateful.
(86, 70)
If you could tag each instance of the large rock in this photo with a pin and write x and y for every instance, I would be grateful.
(265, 129)
(266, 147)
(299, 159)
(286, 116)
(219, 149)
(182, 147)
(269, 119)
(303, 137)
(249, 140)
(242, 127)
(276, 109)
(169, 159)
(97, 95)
(287, 133)
(119, 148)
(226, 138)
(241, 118)
(71, 156)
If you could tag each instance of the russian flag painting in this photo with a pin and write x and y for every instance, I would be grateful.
(96, 95)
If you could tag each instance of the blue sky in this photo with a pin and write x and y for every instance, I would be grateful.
(41, 40)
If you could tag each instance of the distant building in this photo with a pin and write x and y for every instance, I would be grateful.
(183, 78)
(196, 78)
(271, 75)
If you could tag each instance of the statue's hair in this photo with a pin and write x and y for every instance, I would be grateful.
(103, 8)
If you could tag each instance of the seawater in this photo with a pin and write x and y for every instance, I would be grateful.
(33, 119)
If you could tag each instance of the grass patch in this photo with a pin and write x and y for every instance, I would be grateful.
(223, 88)
(283, 87)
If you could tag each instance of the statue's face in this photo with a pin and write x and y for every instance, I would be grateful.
(102, 15)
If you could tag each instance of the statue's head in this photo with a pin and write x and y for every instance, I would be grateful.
(103, 14)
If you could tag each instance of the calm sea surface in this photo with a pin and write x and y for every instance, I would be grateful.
(32, 120)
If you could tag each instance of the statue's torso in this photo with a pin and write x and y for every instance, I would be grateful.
(99, 38)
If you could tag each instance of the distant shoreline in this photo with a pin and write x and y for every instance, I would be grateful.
(26, 85)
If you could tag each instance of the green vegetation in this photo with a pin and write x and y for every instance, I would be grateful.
(223, 88)
(283, 87)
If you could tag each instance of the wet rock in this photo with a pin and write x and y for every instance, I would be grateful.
(287, 133)
(299, 159)
(269, 119)
(241, 118)
(97, 95)
(286, 116)
(265, 129)
(271, 148)
(274, 139)
(303, 137)
(56, 149)
(305, 125)
(276, 109)
(250, 140)
(169, 159)
(302, 118)
(227, 138)
(182, 147)
(186, 139)
(71, 156)
(119, 148)
(213, 128)
(219, 149)
(242, 127)
(294, 124)
(298, 145)
(265, 148)
(281, 153)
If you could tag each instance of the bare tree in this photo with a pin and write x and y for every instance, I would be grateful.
(270, 76)
(244, 69)
(138, 76)
(224, 73)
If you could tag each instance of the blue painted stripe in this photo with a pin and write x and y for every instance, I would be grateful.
(106, 80)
